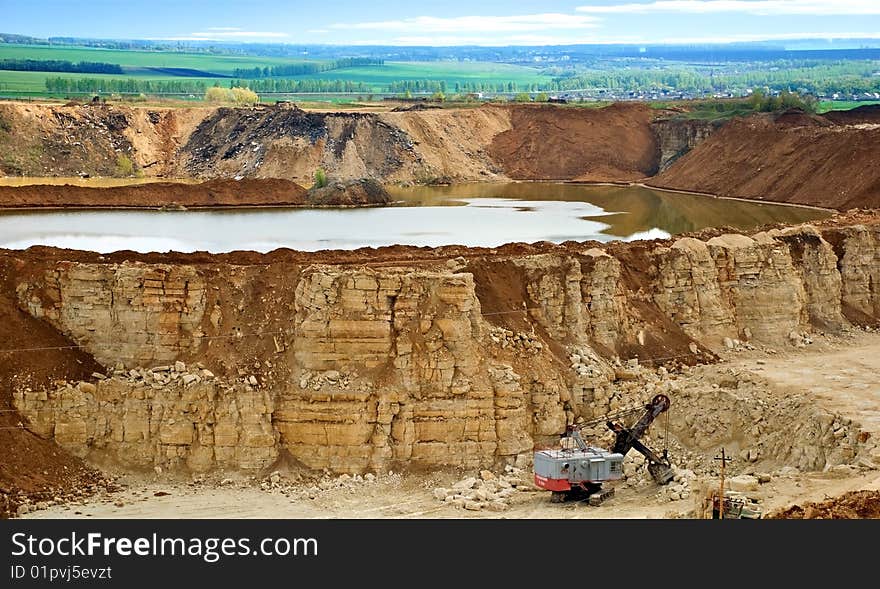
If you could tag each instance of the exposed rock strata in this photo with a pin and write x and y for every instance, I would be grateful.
(355, 367)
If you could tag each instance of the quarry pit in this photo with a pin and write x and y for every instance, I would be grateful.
(393, 381)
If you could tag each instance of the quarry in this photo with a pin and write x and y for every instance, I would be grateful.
(416, 378)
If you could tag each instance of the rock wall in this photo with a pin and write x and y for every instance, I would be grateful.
(130, 312)
(676, 137)
(465, 362)
(159, 417)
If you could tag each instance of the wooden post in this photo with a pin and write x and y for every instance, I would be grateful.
(724, 460)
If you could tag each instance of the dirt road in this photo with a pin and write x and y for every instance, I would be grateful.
(844, 380)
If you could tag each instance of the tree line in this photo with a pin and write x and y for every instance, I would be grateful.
(304, 69)
(55, 65)
(62, 85)
(286, 85)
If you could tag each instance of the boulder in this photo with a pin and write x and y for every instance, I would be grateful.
(743, 483)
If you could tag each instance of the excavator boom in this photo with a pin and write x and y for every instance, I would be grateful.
(628, 438)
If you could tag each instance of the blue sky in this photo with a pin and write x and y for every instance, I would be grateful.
(447, 22)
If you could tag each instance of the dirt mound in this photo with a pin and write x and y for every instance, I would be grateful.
(213, 193)
(356, 193)
(852, 505)
(794, 158)
(614, 143)
(862, 114)
(419, 106)
(798, 117)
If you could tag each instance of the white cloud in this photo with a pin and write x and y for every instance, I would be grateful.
(745, 38)
(542, 40)
(224, 28)
(421, 25)
(484, 41)
(221, 34)
(758, 7)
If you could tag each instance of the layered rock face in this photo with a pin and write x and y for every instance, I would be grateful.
(367, 365)
(130, 312)
(676, 137)
(146, 422)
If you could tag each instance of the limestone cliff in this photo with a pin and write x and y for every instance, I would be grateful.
(411, 356)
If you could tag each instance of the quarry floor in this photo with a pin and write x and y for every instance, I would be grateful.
(839, 373)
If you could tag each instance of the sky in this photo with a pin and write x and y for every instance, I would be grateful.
(446, 22)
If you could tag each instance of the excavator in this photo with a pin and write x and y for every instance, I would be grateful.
(578, 470)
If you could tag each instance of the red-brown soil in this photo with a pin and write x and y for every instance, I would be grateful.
(614, 143)
(852, 505)
(33, 467)
(213, 193)
(826, 161)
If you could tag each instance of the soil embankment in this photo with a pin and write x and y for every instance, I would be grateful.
(852, 505)
(35, 467)
(213, 193)
(615, 143)
(363, 192)
(827, 161)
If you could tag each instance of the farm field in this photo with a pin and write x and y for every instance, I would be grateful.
(829, 105)
(379, 76)
(139, 64)
(131, 59)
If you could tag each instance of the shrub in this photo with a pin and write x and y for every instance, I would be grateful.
(320, 178)
(124, 166)
(217, 94)
(244, 96)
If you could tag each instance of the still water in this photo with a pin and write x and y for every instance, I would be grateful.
(472, 214)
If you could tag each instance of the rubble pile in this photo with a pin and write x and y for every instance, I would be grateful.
(490, 491)
(521, 342)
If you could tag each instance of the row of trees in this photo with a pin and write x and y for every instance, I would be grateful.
(305, 68)
(285, 85)
(55, 65)
(847, 78)
(61, 85)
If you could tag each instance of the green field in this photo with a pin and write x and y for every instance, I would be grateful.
(379, 76)
(135, 64)
(217, 64)
(828, 105)
(35, 82)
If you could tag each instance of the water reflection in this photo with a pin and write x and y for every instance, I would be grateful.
(476, 215)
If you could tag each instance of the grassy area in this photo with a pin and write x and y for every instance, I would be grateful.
(829, 105)
(135, 64)
(218, 64)
(35, 82)
(449, 71)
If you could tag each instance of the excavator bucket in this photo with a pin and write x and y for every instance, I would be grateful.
(661, 473)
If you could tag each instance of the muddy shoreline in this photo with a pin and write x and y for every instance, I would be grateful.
(223, 194)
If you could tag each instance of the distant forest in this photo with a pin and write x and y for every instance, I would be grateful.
(304, 69)
(54, 65)
(62, 85)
